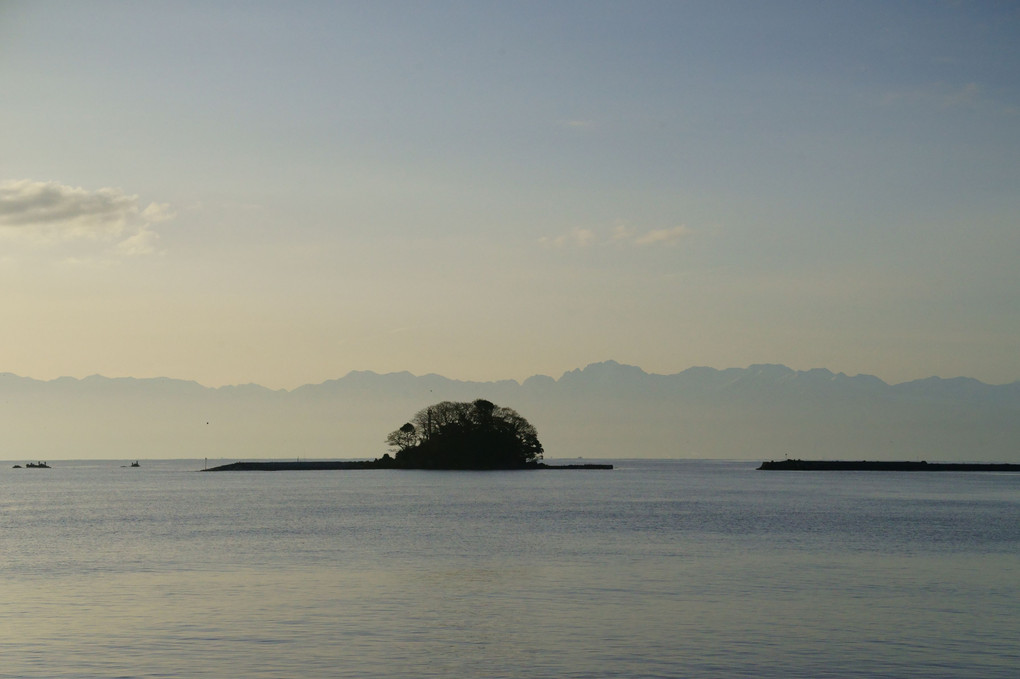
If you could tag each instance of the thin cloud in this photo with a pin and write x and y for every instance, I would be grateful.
(580, 238)
(620, 235)
(622, 232)
(50, 213)
(662, 236)
(143, 242)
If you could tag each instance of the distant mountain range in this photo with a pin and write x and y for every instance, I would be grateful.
(606, 410)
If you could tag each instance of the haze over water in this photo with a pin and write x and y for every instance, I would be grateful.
(655, 569)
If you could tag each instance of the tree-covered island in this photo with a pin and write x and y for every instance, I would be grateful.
(447, 435)
(476, 435)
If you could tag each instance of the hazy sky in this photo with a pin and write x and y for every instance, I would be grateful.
(283, 192)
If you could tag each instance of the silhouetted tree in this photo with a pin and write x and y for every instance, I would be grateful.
(402, 438)
(477, 435)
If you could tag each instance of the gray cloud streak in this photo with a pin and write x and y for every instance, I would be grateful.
(47, 213)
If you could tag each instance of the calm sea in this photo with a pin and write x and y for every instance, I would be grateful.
(655, 569)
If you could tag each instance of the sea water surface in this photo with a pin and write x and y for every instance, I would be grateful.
(654, 569)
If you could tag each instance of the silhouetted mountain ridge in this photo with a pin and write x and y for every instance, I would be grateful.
(606, 374)
(605, 409)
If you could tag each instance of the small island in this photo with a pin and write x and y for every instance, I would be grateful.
(885, 466)
(445, 436)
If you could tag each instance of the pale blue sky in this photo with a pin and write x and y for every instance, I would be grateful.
(283, 192)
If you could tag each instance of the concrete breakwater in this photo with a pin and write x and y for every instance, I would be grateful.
(885, 466)
(316, 465)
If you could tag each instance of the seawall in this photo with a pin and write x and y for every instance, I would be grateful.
(884, 466)
(317, 465)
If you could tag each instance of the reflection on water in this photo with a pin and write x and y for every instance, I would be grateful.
(652, 570)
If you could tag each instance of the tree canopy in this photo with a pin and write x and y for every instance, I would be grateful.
(475, 435)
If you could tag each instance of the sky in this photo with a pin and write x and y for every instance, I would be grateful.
(280, 193)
